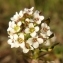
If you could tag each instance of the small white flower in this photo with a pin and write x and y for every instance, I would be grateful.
(15, 17)
(38, 18)
(21, 14)
(45, 30)
(13, 43)
(28, 11)
(11, 25)
(14, 27)
(20, 41)
(32, 30)
(16, 45)
(44, 25)
(35, 41)
(17, 40)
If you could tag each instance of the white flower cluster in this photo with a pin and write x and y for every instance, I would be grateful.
(27, 31)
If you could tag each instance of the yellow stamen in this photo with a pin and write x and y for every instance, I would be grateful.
(20, 40)
(32, 30)
(16, 28)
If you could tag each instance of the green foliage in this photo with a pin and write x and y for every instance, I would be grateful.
(58, 50)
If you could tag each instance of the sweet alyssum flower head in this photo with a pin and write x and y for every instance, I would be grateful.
(27, 30)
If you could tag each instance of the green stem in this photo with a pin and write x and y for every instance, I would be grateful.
(35, 54)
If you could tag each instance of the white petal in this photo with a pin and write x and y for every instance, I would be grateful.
(27, 19)
(25, 50)
(43, 24)
(12, 45)
(15, 36)
(28, 11)
(25, 10)
(36, 14)
(12, 31)
(47, 43)
(48, 27)
(40, 40)
(32, 8)
(36, 45)
(38, 22)
(21, 35)
(29, 41)
(21, 14)
(9, 29)
(15, 17)
(27, 30)
(10, 23)
(41, 17)
(16, 44)
(49, 33)
(19, 23)
(36, 28)
(22, 45)
(31, 25)
(16, 14)
(33, 34)
(13, 24)
(9, 41)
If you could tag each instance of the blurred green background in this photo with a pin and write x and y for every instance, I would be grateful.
(49, 8)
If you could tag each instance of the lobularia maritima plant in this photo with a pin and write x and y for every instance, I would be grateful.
(29, 31)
